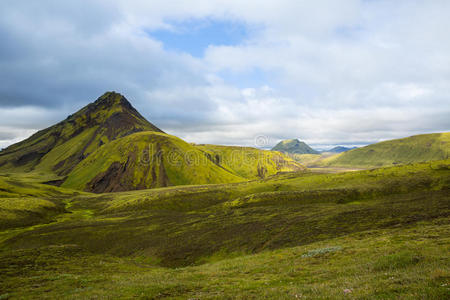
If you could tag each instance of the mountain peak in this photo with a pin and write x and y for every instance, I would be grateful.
(290, 141)
(113, 110)
(112, 98)
(108, 118)
(294, 146)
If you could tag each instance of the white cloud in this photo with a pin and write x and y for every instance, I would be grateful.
(334, 72)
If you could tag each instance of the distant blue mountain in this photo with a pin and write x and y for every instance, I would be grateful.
(340, 149)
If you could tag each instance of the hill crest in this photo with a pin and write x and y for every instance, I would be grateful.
(413, 149)
(294, 146)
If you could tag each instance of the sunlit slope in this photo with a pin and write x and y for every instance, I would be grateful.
(24, 202)
(418, 148)
(146, 160)
(59, 148)
(307, 159)
(250, 162)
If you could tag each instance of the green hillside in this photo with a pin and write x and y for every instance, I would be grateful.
(250, 163)
(379, 233)
(59, 148)
(145, 160)
(294, 146)
(418, 148)
(25, 202)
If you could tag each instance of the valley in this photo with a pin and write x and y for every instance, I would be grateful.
(93, 211)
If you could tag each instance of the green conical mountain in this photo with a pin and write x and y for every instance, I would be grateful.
(418, 148)
(61, 147)
(108, 146)
(294, 146)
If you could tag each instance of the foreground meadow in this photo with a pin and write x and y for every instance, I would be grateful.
(381, 234)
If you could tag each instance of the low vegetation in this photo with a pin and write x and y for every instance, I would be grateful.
(376, 233)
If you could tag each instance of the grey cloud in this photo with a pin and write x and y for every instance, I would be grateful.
(354, 73)
(7, 135)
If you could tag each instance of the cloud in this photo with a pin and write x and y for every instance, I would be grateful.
(321, 71)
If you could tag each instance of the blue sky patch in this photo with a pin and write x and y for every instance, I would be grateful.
(195, 35)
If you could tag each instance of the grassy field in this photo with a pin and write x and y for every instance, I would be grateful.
(25, 201)
(379, 233)
(409, 263)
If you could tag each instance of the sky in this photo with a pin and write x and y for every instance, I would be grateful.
(252, 73)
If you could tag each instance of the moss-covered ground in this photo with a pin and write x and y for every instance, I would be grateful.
(377, 234)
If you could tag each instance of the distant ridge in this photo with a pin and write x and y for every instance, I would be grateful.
(294, 146)
(340, 149)
(418, 148)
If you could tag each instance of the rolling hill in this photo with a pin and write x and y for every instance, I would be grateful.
(146, 160)
(294, 146)
(418, 148)
(250, 163)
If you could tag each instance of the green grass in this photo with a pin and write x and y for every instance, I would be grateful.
(379, 233)
(24, 201)
(358, 264)
(419, 148)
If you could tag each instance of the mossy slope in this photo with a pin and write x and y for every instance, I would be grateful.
(250, 163)
(24, 202)
(146, 160)
(418, 148)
